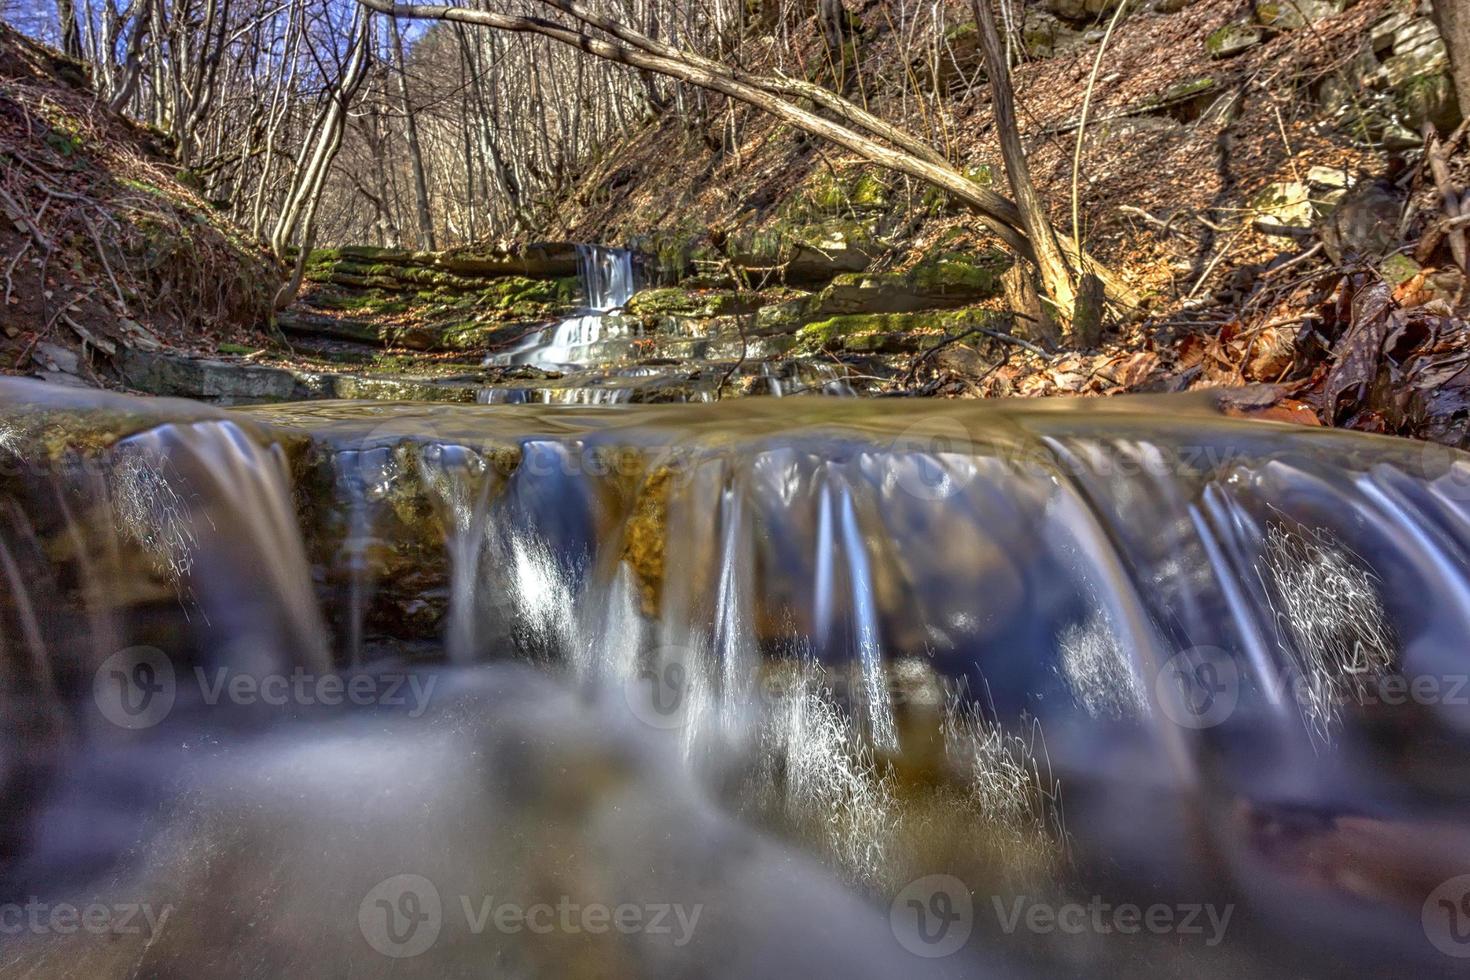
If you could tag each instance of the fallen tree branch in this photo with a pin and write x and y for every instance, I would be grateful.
(1436, 155)
(996, 212)
(1057, 280)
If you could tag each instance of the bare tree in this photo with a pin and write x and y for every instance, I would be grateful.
(297, 220)
(1453, 18)
(415, 148)
(1056, 277)
(997, 213)
(71, 35)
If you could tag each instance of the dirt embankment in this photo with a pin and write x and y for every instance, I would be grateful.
(103, 245)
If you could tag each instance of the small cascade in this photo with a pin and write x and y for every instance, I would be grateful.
(740, 653)
(608, 282)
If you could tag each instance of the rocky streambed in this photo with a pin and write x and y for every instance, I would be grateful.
(461, 326)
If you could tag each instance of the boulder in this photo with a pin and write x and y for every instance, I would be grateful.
(1233, 38)
(1364, 224)
(1045, 35)
(1289, 15)
(1284, 208)
(1428, 98)
(1417, 50)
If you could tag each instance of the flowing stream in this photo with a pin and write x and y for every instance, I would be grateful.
(759, 688)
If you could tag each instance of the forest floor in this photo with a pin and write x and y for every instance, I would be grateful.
(1275, 206)
(104, 247)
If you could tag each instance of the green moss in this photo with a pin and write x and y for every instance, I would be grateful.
(962, 30)
(827, 193)
(1428, 97)
(370, 302)
(1232, 39)
(981, 175)
(959, 273)
(1184, 91)
(888, 332)
(671, 301)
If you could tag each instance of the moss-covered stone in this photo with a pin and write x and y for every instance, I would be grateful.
(654, 305)
(1289, 15)
(981, 175)
(972, 276)
(855, 189)
(1232, 39)
(889, 333)
(1429, 97)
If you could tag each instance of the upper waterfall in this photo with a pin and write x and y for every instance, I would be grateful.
(608, 277)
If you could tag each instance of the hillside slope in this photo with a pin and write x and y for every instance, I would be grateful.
(104, 248)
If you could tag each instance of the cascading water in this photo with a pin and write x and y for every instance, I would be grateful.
(844, 689)
(608, 282)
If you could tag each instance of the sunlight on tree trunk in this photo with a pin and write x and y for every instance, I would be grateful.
(1453, 18)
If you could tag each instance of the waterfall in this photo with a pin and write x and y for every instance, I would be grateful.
(608, 282)
(786, 658)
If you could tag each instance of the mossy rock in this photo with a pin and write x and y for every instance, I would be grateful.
(1184, 92)
(889, 333)
(944, 279)
(981, 175)
(1232, 39)
(1044, 35)
(1290, 15)
(673, 301)
(958, 274)
(856, 189)
(807, 253)
(652, 305)
(1429, 97)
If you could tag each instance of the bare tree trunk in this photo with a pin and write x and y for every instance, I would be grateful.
(1056, 277)
(133, 67)
(71, 35)
(833, 19)
(387, 230)
(1453, 18)
(415, 148)
(298, 218)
